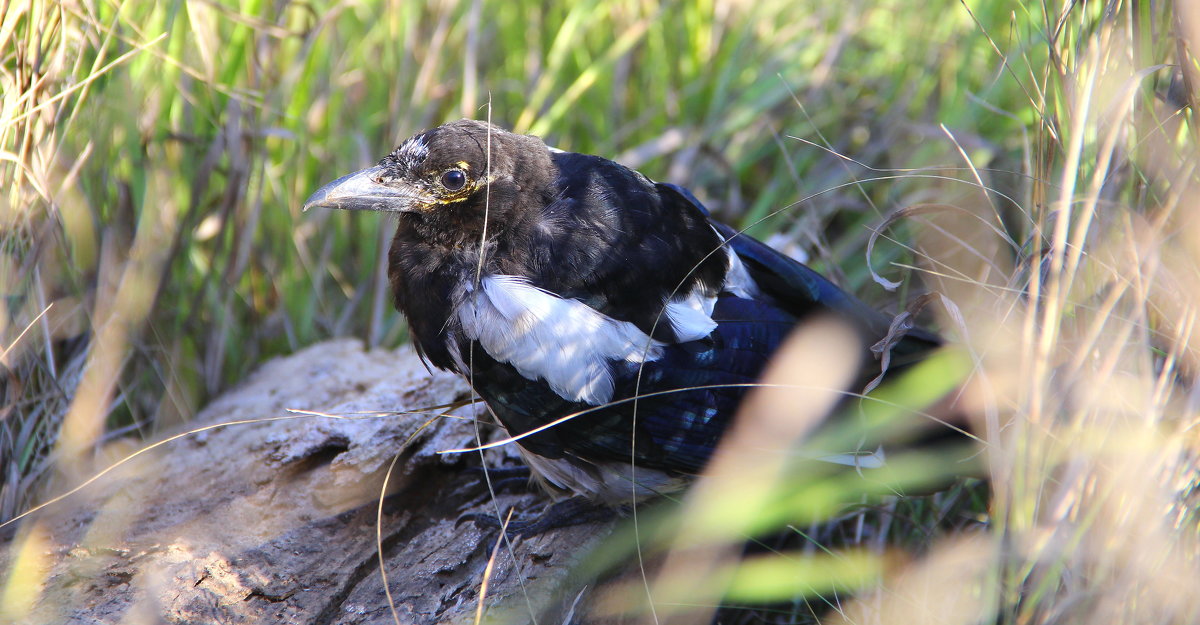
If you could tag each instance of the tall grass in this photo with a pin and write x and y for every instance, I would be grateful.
(155, 155)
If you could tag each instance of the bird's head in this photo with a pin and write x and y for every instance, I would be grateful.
(445, 172)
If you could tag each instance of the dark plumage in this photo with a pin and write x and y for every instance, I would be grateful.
(560, 282)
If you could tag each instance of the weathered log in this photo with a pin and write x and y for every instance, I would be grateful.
(274, 521)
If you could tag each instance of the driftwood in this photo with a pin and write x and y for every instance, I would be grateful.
(275, 521)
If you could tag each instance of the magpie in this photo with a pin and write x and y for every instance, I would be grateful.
(560, 283)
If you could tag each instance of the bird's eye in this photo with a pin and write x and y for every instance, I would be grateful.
(453, 179)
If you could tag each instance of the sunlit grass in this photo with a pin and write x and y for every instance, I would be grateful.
(154, 157)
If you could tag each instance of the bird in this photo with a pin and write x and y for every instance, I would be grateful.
(560, 283)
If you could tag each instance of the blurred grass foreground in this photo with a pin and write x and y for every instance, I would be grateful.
(1030, 166)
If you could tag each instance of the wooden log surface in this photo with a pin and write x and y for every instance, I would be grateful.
(274, 521)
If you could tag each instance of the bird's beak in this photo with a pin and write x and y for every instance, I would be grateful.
(362, 191)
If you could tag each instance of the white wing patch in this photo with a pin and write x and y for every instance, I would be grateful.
(691, 316)
(545, 337)
(737, 279)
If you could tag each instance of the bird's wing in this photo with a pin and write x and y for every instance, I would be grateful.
(666, 414)
(689, 393)
(799, 289)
